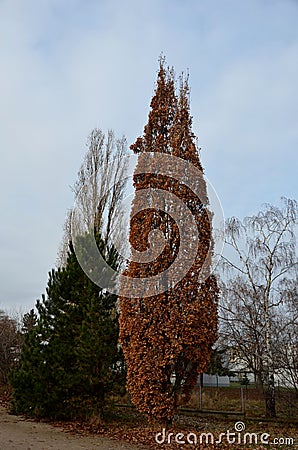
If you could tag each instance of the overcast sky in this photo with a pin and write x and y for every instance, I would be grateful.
(68, 66)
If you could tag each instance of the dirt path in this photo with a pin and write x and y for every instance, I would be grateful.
(16, 433)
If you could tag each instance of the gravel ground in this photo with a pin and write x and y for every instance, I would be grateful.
(17, 433)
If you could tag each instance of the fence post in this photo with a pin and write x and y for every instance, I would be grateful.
(201, 399)
(242, 401)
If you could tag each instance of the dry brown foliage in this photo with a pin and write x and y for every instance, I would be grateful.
(167, 338)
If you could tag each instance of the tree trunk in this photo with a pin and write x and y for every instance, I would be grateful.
(270, 397)
(201, 379)
(259, 382)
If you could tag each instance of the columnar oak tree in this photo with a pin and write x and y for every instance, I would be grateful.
(167, 338)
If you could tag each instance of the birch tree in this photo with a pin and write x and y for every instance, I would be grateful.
(260, 260)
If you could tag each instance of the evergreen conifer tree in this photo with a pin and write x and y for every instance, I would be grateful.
(69, 359)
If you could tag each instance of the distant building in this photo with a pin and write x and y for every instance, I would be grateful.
(214, 380)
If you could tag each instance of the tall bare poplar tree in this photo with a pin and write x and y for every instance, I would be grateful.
(167, 337)
(100, 188)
